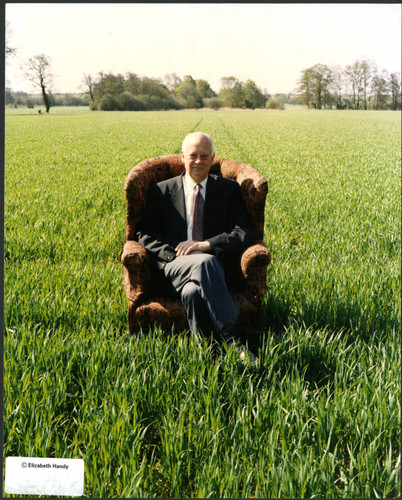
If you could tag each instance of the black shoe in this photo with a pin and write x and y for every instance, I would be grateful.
(230, 333)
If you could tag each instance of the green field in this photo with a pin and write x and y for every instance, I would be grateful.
(157, 415)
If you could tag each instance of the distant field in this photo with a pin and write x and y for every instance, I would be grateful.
(156, 415)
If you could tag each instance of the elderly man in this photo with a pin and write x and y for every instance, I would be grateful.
(193, 226)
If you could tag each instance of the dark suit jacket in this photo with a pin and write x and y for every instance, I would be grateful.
(226, 224)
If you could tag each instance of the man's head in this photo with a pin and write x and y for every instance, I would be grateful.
(198, 154)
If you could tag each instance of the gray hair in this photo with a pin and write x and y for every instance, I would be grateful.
(192, 135)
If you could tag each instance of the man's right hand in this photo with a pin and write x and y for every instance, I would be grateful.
(190, 246)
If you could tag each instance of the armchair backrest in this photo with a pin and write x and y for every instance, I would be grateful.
(254, 187)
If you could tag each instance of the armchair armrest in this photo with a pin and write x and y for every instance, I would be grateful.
(136, 271)
(254, 262)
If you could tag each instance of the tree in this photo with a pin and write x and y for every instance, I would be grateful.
(89, 84)
(154, 87)
(37, 71)
(305, 87)
(172, 82)
(338, 85)
(380, 90)
(129, 103)
(359, 75)
(204, 89)
(146, 93)
(212, 102)
(366, 69)
(132, 84)
(109, 102)
(352, 72)
(8, 97)
(314, 85)
(9, 51)
(188, 93)
(275, 103)
(108, 84)
(232, 92)
(253, 96)
(189, 79)
(395, 89)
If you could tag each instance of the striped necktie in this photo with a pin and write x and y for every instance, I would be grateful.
(198, 214)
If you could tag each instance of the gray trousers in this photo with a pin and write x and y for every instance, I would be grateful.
(200, 281)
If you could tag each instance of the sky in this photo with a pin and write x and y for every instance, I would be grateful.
(268, 43)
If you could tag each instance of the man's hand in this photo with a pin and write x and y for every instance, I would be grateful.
(190, 246)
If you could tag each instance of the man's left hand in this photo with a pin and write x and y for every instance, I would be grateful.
(190, 246)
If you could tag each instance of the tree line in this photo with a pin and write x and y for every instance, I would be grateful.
(110, 92)
(133, 92)
(20, 98)
(357, 86)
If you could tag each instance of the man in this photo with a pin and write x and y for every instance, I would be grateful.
(194, 224)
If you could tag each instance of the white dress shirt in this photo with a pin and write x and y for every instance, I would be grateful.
(189, 197)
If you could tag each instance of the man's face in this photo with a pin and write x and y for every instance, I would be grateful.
(198, 158)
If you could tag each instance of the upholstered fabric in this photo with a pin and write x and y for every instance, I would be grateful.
(150, 300)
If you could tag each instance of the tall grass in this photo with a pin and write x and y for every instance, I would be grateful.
(158, 415)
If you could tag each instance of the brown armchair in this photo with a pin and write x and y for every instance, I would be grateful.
(148, 302)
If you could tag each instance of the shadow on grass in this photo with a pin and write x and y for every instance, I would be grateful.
(360, 322)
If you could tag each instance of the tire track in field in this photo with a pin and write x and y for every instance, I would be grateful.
(235, 143)
(194, 129)
(196, 125)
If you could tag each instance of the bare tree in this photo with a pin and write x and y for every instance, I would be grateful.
(367, 68)
(353, 74)
(172, 81)
(337, 85)
(10, 51)
(37, 71)
(89, 83)
(359, 75)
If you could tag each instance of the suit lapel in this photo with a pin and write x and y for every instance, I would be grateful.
(211, 200)
(177, 197)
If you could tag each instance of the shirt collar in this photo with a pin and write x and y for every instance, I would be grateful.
(190, 183)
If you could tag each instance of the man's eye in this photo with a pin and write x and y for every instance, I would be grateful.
(193, 156)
